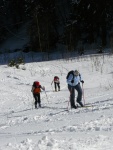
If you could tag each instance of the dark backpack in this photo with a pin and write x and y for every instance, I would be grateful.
(70, 72)
(36, 84)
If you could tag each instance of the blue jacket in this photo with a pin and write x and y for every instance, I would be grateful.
(76, 79)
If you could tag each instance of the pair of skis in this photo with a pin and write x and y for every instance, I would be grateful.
(85, 106)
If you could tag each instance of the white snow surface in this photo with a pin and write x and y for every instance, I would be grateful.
(52, 127)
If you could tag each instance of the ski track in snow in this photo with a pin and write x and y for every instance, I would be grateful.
(52, 127)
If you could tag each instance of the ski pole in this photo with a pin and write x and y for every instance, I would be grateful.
(33, 102)
(52, 87)
(69, 99)
(68, 104)
(83, 93)
(46, 96)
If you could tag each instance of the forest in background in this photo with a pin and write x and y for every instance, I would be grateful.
(71, 23)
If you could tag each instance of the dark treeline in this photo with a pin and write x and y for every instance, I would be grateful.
(51, 22)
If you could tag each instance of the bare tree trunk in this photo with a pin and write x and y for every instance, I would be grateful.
(39, 33)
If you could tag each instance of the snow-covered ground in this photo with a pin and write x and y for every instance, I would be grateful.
(52, 127)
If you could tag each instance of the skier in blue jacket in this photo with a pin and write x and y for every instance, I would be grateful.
(73, 81)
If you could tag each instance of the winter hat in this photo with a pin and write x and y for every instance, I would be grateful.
(76, 72)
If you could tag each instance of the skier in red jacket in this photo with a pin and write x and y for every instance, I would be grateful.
(56, 83)
(36, 89)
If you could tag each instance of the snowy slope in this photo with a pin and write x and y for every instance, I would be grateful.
(52, 127)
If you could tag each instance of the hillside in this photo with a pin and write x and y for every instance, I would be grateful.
(52, 127)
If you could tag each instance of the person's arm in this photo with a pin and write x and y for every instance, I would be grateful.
(43, 88)
(52, 82)
(58, 80)
(70, 78)
(81, 80)
(32, 89)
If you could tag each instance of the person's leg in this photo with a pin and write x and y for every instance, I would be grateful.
(79, 96)
(58, 84)
(55, 86)
(36, 100)
(39, 101)
(72, 96)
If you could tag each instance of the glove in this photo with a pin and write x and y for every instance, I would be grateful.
(72, 81)
(82, 81)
